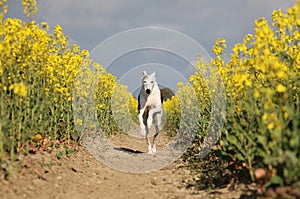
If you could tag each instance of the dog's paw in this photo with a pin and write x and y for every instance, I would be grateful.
(153, 150)
(150, 152)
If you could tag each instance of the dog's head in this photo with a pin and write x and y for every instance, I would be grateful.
(148, 82)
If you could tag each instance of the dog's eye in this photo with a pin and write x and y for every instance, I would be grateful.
(151, 82)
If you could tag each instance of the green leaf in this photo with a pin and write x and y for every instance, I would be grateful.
(275, 180)
(232, 139)
(240, 157)
(262, 139)
(70, 151)
(59, 155)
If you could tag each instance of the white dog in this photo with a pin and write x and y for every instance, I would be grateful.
(150, 108)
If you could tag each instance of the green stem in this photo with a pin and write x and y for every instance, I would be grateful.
(2, 152)
(250, 169)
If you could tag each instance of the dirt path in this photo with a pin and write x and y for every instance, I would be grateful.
(43, 175)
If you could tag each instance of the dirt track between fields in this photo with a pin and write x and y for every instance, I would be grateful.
(81, 175)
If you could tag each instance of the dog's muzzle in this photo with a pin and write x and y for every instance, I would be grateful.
(148, 91)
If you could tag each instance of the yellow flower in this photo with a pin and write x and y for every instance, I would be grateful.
(256, 94)
(78, 122)
(248, 83)
(238, 109)
(85, 53)
(280, 88)
(75, 48)
(219, 46)
(19, 89)
(270, 126)
(30, 7)
(265, 116)
(281, 74)
(45, 25)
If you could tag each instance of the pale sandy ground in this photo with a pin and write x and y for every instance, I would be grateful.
(81, 175)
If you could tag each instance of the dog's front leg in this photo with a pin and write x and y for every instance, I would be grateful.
(142, 125)
(150, 117)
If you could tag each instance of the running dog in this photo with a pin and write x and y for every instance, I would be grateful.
(150, 109)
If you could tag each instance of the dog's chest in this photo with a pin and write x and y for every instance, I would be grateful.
(152, 101)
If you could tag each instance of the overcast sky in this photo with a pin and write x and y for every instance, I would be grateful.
(89, 22)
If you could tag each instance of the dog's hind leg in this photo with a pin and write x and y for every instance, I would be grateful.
(154, 143)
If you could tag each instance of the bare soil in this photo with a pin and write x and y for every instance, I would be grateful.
(49, 175)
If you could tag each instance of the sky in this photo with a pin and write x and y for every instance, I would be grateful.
(91, 22)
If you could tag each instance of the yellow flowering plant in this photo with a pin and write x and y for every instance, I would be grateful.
(172, 111)
(182, 110)
(262, 87)
(38, 73)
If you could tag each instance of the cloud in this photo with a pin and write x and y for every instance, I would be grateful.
(90, 22)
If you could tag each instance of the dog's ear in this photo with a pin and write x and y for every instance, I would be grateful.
(144, 73)
(153, 74)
